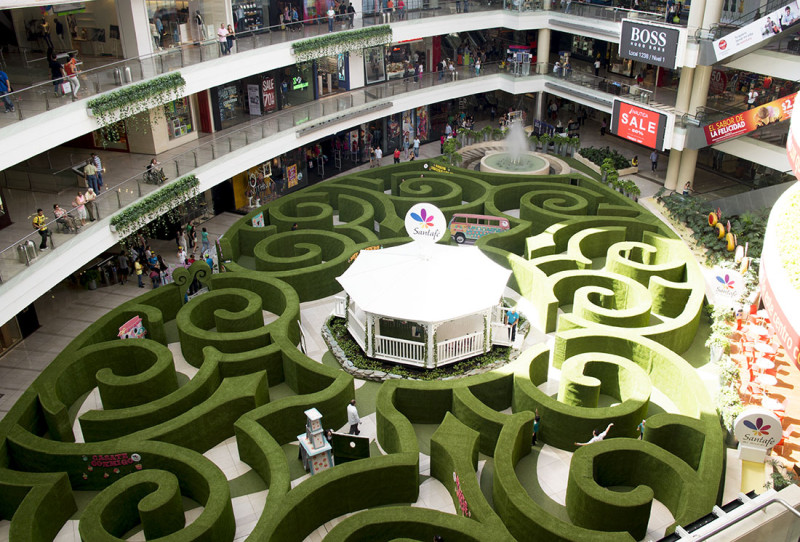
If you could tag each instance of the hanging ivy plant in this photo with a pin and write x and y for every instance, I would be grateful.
(154, 205)
(129, 101)
(341, 42)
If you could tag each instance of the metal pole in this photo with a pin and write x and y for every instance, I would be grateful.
(195, 158)
(50, 236)
(119, 201)
(183, 60)
(139, 186)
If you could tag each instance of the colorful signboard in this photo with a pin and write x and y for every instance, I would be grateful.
(651, 43)
(758, 427)
(759, 30)
(793, 145)
(719, 82)
(425, 223)
(268, 102)
(638, 124)
(291, 176)
(132, 329)
(750, 120)
(258, 220)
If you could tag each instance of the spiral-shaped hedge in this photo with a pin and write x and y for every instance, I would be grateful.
(620, 294)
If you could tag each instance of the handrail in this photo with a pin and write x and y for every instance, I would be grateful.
(28, 100)
(729, 523)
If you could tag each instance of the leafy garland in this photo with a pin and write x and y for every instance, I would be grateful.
(341, 42)
(154, 205)
(112, 107)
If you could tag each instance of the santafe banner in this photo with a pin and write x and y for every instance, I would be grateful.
(793, 144)
(758, 31)
(644, 126)
(750, 120)
(650, 43)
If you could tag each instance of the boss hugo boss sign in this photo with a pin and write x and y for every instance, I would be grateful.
(653, 44)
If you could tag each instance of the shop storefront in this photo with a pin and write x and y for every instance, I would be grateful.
(178, 21)
(297, 86)
(332, 74)
(395, 61)
(250, 15)
(5, 218)
(228, 104)
(178, 116)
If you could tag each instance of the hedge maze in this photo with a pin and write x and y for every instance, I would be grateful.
(619, 293)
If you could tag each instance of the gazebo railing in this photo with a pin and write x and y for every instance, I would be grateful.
(501, 334)
(340, 306)
(460, 347)
(357, 330)
(403, 350)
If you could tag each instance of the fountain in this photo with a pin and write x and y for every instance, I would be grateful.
(517, 159)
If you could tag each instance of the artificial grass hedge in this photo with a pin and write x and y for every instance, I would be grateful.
(605, 345)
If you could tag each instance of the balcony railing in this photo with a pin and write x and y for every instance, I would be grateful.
(402, 350)
(40, 97)
(460, 348)
(208, 149)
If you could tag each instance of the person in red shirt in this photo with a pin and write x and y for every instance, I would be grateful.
(396, 155)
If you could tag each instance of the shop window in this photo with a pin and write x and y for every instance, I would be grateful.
(178, 115)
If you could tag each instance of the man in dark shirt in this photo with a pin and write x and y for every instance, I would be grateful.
(56, 73)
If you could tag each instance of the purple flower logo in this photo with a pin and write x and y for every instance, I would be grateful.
(423, 218)
(727, 282)
(759, 429)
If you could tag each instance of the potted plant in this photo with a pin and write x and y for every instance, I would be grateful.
(634, 191)
(545, 140)
(534, 141)
(574, 145)
(89, 278)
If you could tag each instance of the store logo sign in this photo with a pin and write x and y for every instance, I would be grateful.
(758, 427)
(425, 222)
(650, 43)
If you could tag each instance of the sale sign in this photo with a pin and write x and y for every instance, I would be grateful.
(719, 82)
(268, 93)
(750, 120)
(638, 124)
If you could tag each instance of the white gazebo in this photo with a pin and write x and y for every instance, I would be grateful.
(424, 304)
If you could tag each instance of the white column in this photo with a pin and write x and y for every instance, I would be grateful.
(673, 170)
(134, 28)
(431, 330)
(542, 51)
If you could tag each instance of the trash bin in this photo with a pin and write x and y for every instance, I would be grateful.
(30, 248)
(21, 253)
(117, 77)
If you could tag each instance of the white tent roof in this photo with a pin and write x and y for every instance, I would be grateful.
(425, 282)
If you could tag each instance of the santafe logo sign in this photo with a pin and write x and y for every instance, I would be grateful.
(637, 124)
(654, 44)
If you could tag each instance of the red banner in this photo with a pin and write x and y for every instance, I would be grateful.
(268, 92)
(638, 124)
(750, 120)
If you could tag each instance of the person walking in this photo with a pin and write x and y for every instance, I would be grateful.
(536, 424)
(654, 160)
(597, 66)
(222, 36)
(396, 155)
(204, 240)
(378, 156)
(40, 225)
(603, 126)
(229, 38)
(100, 169)
(122, 265)
(331, 17)
(5, 89)
(56, 74)
(352, 418)
(139, 269)
(90, 174)
(71, 71)
(416, 146)
(595, 436)
(513, 319)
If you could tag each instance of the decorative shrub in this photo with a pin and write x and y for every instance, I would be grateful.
(341, 42)
(155, 205)
(598, 156)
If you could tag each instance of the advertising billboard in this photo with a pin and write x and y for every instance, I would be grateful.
(639, 124)
(759, 30)
(651, 43)
(750, 120)
(793, 144)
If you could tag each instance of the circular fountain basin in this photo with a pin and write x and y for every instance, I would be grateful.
(528, 163)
